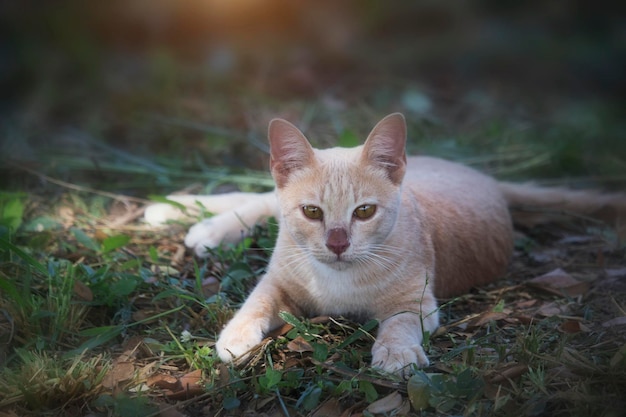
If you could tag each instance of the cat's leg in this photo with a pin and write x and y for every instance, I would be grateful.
(159, 213)
(256, 318)
(229, 226)
(400, 336)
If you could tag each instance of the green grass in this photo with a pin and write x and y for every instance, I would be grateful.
(60, 343)
(78, 285)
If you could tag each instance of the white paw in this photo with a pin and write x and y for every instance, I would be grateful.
(159, 213)
(211, 232)
(397, 358)
(236, 340)
(203, 235)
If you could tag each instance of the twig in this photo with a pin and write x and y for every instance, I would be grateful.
(119, 197)
(357, 375)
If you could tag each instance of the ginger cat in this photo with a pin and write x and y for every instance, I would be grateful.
(367, 232)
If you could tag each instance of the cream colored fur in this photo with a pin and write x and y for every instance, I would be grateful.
(439, 228)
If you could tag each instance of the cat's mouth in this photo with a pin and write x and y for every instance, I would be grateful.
(338, 262)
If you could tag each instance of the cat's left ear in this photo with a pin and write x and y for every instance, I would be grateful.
(289, 150)
(385, 146)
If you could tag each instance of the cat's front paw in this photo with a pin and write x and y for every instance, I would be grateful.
(211, 232)
(398, 358)
(203, 235)
(236, 340)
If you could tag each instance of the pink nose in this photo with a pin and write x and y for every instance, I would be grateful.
(337, 240)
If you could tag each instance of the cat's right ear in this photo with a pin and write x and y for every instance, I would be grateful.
(289, 150)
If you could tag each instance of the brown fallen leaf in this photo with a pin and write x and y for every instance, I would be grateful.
(525, 304)
(299, 345)
(329, 408)
(82, 291)
(550, 309)
(184, 387)
(386, 404)
(120, 372)
(560, 283)
(163, 381)
(486, 318)
(210, 286)
(524, 318)
(191, 379)
(281, 331)
(573, 326)
(507, 372)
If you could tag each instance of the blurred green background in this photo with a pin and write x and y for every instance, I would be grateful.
(144, 96)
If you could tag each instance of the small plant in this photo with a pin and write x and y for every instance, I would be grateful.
(40, 381)
(42, 304)
(444, 392)
(11, 211)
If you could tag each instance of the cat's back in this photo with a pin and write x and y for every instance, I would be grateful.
(435, 174)
(467, 217)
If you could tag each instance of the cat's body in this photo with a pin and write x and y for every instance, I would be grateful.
(367, 232)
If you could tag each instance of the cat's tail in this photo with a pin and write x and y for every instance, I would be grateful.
(531, 205)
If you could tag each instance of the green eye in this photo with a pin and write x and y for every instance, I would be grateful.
(365, 211)
(313, 212)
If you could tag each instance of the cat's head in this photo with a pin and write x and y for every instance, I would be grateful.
(339, 204)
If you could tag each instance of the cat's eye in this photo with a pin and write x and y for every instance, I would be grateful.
(365, 211)
(313, 212)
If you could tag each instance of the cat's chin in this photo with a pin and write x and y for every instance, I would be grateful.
(338, 264)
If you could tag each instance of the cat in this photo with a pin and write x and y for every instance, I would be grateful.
(368, 232)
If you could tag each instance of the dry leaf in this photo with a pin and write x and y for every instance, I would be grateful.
(82, 291)
(223, 377)
(572, 326)
(168, 410)
(617, 321)
(299, 345)
(524, 319)
(120, 372)
(163, 381)
(508, 372)
(187, 386)
(615, 272)
(486, 318)
(192, 379)
(386, 404)
(210, 286)
(576, 239)
(560, 282)
(553, 309)
(329, 408)
(143, 314)
(100, 235)
(619, 358)
(67, 216)
(281, 331)
(525, 304)
(562, 372)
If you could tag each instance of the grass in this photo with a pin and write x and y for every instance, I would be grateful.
(111, 322)
(101, 315)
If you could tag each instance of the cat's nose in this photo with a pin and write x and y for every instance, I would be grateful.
(337, 240)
